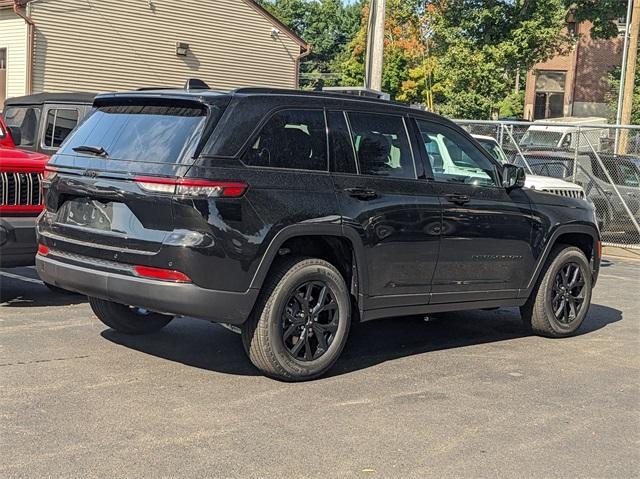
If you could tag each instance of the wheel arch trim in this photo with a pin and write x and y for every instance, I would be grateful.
(299, 230)
(586, 229)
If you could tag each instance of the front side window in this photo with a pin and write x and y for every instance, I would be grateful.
(541, 138)
(292, 139)
(494, 149)
(60, 123)
(25, 118)
(382, 145)
(453, 158)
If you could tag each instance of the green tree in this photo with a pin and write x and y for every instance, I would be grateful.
(614, 88)
(484, 46)
(463, 58)
(602, 13)
(404, 50)
(326, 25)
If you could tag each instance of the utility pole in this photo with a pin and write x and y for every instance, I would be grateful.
(375, 45)
(629, 76)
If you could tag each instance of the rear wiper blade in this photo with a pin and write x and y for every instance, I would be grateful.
(94, 150)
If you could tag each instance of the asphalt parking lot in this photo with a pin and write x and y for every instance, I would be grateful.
(468, 394)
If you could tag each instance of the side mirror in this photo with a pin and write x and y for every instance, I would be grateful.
(16, 134)
(513, 176)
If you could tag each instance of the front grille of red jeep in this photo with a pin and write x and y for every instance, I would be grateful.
(21, 192)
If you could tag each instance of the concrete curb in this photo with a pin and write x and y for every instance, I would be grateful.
(617, 252)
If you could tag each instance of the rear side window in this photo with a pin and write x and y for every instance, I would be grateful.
(342, 155)
(60, 122)
(152, 133)
(293, 139)
(382, 145)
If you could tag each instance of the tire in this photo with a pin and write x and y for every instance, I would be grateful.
(267, 335)
(552, 294)
(126, 319)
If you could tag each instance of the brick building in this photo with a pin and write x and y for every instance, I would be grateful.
(573, 84)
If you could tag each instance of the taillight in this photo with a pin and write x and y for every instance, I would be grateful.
(43, 250)
(599, 249)
(191, 187)
(163, 274)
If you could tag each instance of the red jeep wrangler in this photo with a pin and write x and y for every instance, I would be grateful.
(20, 200)
(33, 129)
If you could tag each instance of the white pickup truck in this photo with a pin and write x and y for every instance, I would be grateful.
(536, 182)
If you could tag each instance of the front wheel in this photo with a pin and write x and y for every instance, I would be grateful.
(128, 319)
(561, 299)
(301, 322)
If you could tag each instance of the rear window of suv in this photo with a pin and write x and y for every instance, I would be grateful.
(150, 133)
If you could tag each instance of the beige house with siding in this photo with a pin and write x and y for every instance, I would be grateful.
(107, 45)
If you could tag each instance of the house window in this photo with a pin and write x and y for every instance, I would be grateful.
(550, 88)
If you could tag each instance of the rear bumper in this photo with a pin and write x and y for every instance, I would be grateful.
(17, 241)
(161, 296)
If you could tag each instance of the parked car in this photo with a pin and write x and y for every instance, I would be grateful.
(41, 122)
(611, 213)
(292, 214)
(547, 184)
(21, 201)
(5, 137)
(36, 126)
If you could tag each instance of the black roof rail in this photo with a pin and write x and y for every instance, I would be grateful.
(152, 88)
(316, 93)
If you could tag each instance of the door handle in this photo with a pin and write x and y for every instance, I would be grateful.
(361, 193)
(458, 199)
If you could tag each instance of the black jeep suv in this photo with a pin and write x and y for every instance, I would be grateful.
(292, 215)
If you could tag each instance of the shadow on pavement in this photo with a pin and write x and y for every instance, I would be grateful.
(19, 294)
(203, 345)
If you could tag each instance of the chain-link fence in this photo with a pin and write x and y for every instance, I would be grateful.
(604, 160)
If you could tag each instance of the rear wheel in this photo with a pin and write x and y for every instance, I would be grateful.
(128, 319)
(301, 322)
(561, 299)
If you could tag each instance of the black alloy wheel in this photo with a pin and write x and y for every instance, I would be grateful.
(567, 295)
(310, 321)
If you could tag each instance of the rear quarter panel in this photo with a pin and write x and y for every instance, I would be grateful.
(244, 230)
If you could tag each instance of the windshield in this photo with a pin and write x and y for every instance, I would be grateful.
(541, 138)
(494, 149)
(153, 133)
(25, 118)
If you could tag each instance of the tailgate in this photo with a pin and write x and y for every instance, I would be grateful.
(92, 198)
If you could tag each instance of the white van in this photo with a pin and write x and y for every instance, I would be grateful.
(563, 133)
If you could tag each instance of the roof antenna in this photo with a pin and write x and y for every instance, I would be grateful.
(195, 84)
